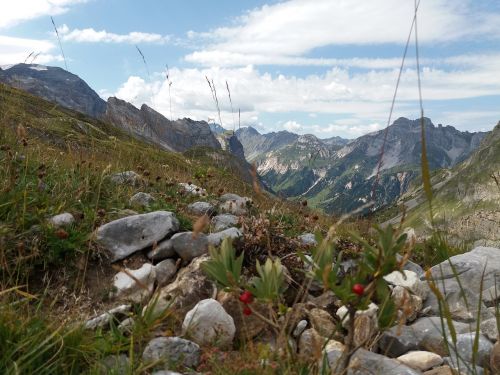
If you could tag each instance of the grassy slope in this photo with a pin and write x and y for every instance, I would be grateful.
(55, 160)
(465, 204)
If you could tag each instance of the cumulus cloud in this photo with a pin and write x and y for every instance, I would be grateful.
(16, 50)
(90, 35)
(293, 126)
(284, 33)
(360, 96)
(14, 12)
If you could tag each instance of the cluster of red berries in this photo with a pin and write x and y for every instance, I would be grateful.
(246, 297)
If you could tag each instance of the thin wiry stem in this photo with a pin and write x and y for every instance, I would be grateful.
(60, 44)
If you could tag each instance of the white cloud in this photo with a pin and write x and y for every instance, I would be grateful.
(16, 50)
(362, 97)
(14, 12)
(91, 35)
(292, 126)
(286, 32)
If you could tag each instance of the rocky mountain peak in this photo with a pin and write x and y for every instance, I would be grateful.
(56, 85)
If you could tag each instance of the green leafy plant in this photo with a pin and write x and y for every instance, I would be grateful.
(224, 267)
(269, 283)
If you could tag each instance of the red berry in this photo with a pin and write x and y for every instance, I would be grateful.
(62, 234)
(246, 297)
(358, 289)
(247, 311)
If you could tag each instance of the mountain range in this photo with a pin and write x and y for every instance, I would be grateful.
(335, 175)
(339, 175)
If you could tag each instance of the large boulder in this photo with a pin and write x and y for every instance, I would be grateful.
(125, 236)
(477, 268)
(209, 324)
(172, 351)
(189, 245)
(234, 204)
(466, 351)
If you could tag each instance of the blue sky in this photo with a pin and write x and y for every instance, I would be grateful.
(326, 67)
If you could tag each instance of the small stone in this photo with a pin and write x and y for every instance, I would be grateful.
(190, 286)
(465, 345)
(495, 358)
(125, 236)
(192, 189)
(365, 328)
(224, 221)
(489, 328)
(215, 239)
(364, 362)
(115, 364)
(62, 220)
(126, 325)
(441, 370)
(307, 239)
(322, 322)
(142, 200)
(421, 360)
(342, 313)
(247, 326)
(134, 285)
(311, 344)
(189, 245)
(165, 271)
(229, 197)
(201, 208)
(463, 367)
(409, 304)
(209, 324)
(491, 296)
(126, 178)
(334, 351)
(301, 326)
(236, 207)
(412, 282)
(172, 350)
(105, 319)
(162, 251)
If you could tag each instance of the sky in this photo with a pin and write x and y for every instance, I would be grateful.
(326, 67)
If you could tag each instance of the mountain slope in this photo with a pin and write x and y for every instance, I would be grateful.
(179, 135)
(466, 199)
(56, 85)
(340, 178)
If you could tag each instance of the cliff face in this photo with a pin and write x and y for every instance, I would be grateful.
(179, 135)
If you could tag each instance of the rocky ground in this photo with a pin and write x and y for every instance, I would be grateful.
(428, 337)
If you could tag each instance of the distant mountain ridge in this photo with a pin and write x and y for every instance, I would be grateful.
(339, 177)
(466, 198)
(56, 85)
(70, 91)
